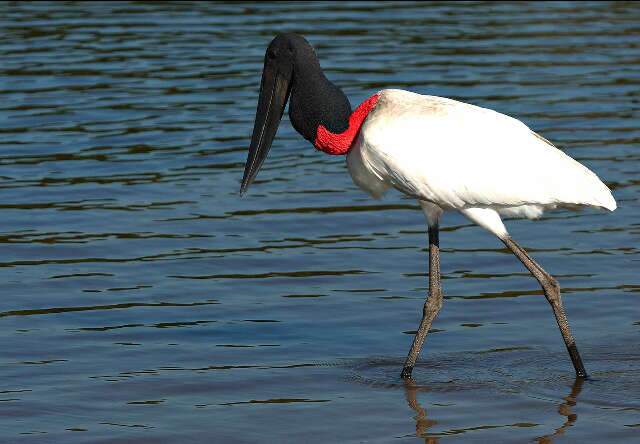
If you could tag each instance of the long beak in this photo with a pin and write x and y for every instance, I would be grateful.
(274, 93)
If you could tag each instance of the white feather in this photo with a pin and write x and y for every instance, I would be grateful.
(467, 158)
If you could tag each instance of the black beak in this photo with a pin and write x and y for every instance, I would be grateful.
(274, 93)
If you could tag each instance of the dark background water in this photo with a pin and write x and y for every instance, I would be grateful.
(144, 301)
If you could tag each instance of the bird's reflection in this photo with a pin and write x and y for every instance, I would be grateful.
(565, 409)
(422, 422)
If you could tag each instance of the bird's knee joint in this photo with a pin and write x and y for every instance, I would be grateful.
(551, 287)
(433, 303)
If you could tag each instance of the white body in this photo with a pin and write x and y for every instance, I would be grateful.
(454, 156)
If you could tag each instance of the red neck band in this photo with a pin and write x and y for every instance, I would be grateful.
(336, 144)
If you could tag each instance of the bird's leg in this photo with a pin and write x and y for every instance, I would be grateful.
(551, 290)
(432, 305)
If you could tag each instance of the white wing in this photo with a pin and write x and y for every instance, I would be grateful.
(461, 156)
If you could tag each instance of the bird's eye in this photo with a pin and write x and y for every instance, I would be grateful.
(271, 54)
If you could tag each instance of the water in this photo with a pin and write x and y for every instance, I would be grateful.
(144, 301)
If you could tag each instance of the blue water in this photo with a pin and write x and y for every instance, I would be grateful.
(144, 301)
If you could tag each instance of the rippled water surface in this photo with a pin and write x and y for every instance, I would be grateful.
(144, 301)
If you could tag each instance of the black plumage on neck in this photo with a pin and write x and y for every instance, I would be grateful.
(314, 99)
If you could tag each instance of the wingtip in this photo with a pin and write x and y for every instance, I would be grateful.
(610, 203)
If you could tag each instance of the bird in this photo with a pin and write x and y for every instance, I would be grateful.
(448, 155)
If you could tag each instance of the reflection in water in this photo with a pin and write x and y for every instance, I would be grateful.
(423, 423)
(565, 409)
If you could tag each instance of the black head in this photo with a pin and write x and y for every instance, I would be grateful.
(291, 68)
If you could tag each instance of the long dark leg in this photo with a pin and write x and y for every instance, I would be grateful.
(551, 290)
(433, 303)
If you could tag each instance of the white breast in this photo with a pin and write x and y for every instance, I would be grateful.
(362, 173)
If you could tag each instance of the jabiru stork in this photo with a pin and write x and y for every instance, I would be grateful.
(449, 155)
